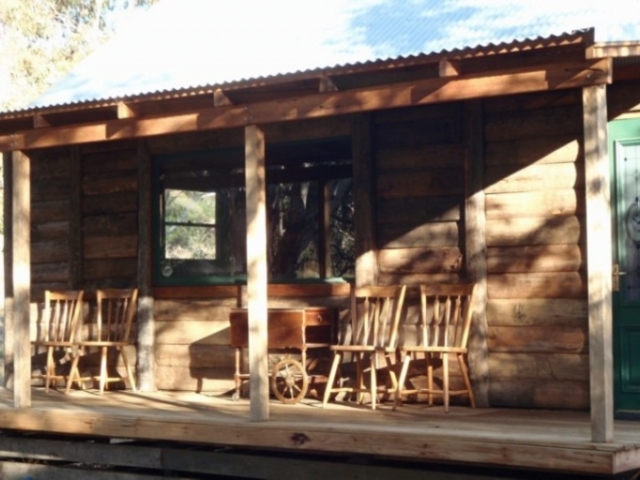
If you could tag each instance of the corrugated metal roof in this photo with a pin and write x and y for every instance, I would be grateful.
(181, 47)
(584, 37)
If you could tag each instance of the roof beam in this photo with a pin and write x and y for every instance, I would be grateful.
(429, 91)
(220, 99)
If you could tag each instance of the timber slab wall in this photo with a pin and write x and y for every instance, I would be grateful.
(552, 441)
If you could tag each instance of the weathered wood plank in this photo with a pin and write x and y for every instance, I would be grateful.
(110, 268)
(533, 101)
(50, 272)
(108, 161)
(555, 176)
(418, 278)
(551, 312)
(541, 366)
(539, 394)
(49, 231)
(418, 210)
(438, 234)
(546, 203)
(51, 188)
(50, 163)
(437, 182)
(419, 158)
(542, 151)
(75, 219)
(110, 247)
(419, 132)
(504, 232)
(565, 119)
(622, 98)
(113, 182)
(193, 332)
(539, 258)
(119, 224)
(113, 203)
(194, 379)
(420, 260)
(538, 340)
(196, 356)
(50, 211)
(537, 285)
(193, 310)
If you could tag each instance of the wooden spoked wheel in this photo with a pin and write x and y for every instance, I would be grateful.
(289, 381)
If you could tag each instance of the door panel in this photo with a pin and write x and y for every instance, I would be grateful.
(625, 150)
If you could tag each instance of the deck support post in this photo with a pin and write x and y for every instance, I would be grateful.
(7, 324)
(476, 249)
(364, 197)
(599, 255)
(146, 327)
(256, 193)
(21, 243)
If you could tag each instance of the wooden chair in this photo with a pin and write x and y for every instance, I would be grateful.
(57, 328)
(116, 309)
(375, 315)
(445, 321)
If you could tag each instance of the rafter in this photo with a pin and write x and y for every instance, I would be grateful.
(437, 90)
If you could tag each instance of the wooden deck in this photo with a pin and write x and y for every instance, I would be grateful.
(523, 439)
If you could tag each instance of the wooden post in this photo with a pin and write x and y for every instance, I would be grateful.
(21, 279)
(476, 249)
(75, 220)
(146, 327)
(256, 190)
(599, 257)
(7, 326)
(364, 201)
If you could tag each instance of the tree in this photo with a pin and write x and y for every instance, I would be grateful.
(41, 40)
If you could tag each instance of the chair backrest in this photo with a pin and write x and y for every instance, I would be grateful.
(116, 309)
(446, 314)
(375, 315)
(62, 312)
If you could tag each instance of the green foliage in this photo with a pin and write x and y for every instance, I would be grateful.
(41, 40)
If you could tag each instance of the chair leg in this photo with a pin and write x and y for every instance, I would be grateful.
(103, 369)
(374, 379)
(429, 362)
(401, 381)
(332, 376)
(359, 379)
(50, 369)
(127, 368)
(445, 381)
(74, 373)
(467, 380)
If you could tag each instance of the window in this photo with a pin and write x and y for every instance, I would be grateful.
(200, 226)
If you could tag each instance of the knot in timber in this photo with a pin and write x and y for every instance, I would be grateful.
(299, 439)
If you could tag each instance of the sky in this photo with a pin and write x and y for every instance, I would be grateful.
(186, 43)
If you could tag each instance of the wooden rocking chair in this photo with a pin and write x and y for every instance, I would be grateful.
(446, 314)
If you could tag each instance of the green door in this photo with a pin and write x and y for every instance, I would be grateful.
(625, 150)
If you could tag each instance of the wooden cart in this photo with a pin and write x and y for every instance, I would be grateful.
(290, 331)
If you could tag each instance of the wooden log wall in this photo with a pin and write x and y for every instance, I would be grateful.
(419, 155)
(537, 305)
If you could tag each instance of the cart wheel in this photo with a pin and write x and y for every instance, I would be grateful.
(289, 381)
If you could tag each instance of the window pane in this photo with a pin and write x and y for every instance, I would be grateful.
(342, 228)
(183, 206)
(187, 242)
